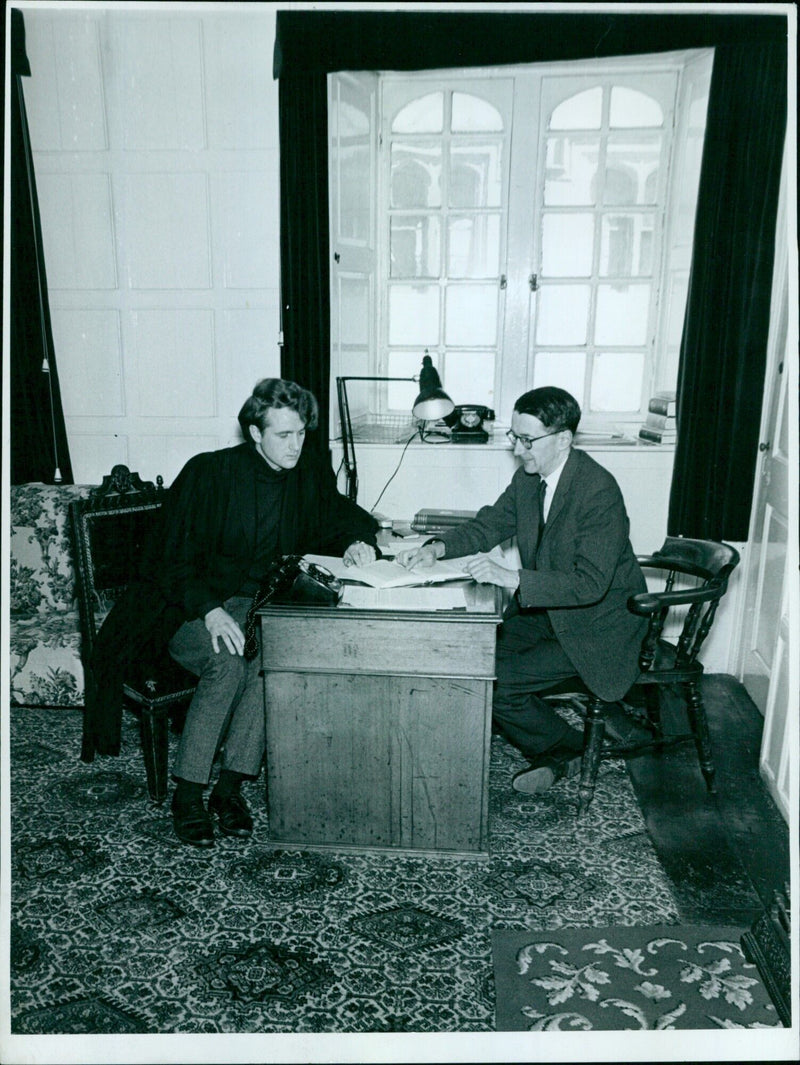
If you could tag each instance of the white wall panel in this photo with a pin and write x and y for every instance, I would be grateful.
(93, 455)
(246, 338)
(159, 87)
(77, 231)
(166, 455)
(249, 228)
(174, 358)
(66, 94)
(167, 231)
(89, 360)
(238, 68)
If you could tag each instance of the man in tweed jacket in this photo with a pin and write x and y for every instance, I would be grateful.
(569, 612)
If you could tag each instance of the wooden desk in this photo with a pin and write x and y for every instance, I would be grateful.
(378, 725)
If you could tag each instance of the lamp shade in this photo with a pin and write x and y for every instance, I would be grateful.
(432, 404)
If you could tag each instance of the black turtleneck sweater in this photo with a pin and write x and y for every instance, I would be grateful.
(267, 502)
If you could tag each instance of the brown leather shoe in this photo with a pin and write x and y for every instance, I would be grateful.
(233, 814)
(545, 770)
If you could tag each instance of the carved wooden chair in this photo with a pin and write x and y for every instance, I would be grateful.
(109, 529)
(664, 662)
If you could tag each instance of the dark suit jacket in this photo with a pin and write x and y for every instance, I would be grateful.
(198, 556)
(585, 570)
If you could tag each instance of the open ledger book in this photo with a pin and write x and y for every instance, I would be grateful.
(386, 574)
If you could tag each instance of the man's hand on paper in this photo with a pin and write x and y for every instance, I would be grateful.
(420, 556)
(485, 571)
(359, 554)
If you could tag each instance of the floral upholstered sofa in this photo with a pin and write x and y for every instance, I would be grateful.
(45, 640)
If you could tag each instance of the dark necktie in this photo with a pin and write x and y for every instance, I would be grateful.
(540, 500)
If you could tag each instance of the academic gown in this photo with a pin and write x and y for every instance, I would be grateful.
(199, 555)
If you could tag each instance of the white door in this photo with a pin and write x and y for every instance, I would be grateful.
(770, 568)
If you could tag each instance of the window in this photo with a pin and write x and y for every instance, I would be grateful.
(530, 226)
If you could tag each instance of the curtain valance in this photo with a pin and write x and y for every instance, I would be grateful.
(313, 42)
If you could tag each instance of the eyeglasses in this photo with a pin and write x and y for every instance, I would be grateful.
(527, 441)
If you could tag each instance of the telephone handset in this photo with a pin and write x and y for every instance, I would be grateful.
(466, 423)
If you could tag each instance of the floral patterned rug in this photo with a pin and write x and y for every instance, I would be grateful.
(645, 979)
(116, 927)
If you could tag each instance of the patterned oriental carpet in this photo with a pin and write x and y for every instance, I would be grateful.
(119, 928)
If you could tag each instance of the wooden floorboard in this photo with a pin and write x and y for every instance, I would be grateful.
(726, 854)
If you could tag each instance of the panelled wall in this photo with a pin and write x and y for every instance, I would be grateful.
(155, 142)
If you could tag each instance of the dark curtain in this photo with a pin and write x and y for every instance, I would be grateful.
(744, 134)
(39, 450)
(724, 345)
(305, 270)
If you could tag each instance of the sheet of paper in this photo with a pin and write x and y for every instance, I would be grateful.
(428, 598)
(386, 574)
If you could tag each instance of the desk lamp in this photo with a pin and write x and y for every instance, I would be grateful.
(431, 404)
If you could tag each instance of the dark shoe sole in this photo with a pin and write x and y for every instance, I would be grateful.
(240, 833)
(202, 841)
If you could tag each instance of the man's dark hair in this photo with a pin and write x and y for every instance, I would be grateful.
(554, 408)
(272, 393)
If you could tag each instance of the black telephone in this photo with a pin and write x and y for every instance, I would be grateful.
(466, 424)
(290, 579)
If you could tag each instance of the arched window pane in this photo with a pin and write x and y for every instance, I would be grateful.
(471, 114)
(629, 107)
(582, 111)
(423, 115)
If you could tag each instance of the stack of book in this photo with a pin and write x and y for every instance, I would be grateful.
(660, 426)
(433, 521)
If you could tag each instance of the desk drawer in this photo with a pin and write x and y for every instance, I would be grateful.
(351, 644)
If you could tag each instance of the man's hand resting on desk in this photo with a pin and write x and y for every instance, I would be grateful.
(420, 556)
(359, 554)
(486, 571)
